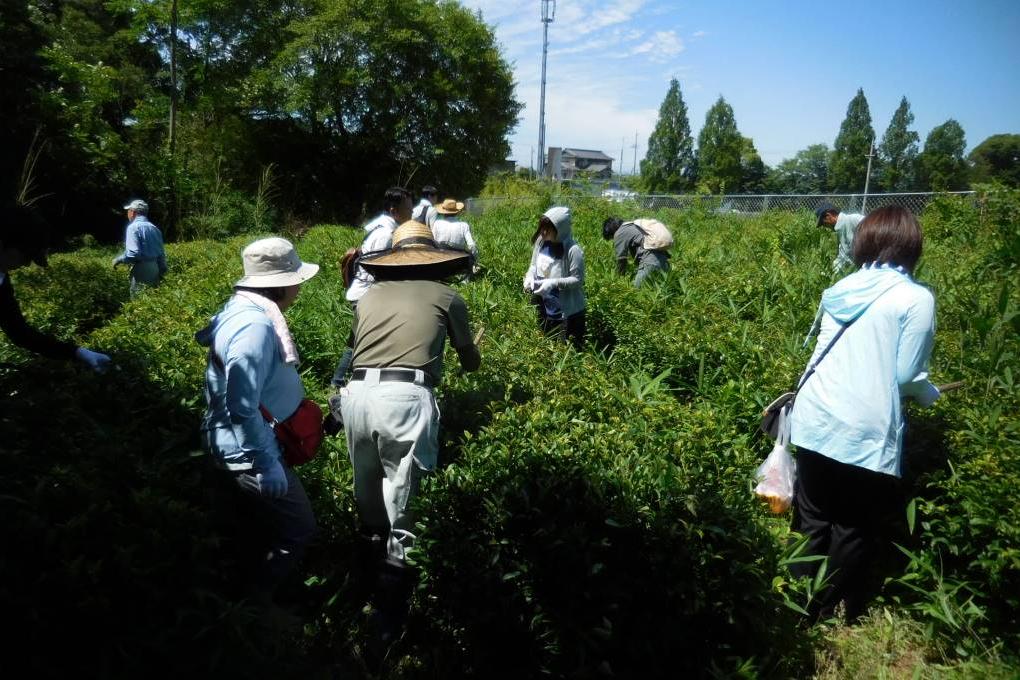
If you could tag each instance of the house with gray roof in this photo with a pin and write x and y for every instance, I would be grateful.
(569, 163)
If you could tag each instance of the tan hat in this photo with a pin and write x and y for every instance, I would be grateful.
(272, 263)
(415, 247)
(450, 206)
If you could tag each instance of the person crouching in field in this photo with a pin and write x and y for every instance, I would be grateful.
(555, 278)
(22, 241)
(252, 364)
(847, 420)
(845, 226)
(630, 240)
(143, 248)
(388, 407)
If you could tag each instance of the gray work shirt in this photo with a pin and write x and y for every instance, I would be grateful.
(629, 241)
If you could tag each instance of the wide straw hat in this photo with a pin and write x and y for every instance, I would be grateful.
(273, 263)
(414, 254)
(450, 206)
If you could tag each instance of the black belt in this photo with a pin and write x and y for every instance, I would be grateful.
(393, 375)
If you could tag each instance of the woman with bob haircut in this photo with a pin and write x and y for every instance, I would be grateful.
(847, 422)
(252, 364)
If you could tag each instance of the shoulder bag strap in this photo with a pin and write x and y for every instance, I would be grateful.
(839, 333)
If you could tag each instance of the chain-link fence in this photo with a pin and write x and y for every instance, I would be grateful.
(744, 203)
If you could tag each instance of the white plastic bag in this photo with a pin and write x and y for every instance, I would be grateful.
(776, 475)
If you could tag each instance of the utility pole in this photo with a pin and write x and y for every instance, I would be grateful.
(634, 169)
(867, 176)
(548, 16)
(531, 164)
(623, 143)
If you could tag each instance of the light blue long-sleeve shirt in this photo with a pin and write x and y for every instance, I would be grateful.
(143, 242)
(846, 229)
(243, 338)
(850, 410)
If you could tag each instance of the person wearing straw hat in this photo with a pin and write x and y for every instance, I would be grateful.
(143, 248)
(388, 408)
(454, 234)
(425, 212)
(252, 364)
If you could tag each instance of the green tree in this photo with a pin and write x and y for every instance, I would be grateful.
(849, 155)
(753, 171)
(719, 150)
(806, 173)
(411, 92)
(669, 163)
(941, 165)
(997, 159)
(898, 151)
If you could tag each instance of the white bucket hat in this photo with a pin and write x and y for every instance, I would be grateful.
(272, 263)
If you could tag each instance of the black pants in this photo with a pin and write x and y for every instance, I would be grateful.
(273, 533)
(572, 328)
(851, 516)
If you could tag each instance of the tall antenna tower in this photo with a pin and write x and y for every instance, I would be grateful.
(548, 16)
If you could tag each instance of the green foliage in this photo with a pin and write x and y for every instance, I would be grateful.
(849, 163)
(898, 151)
(753, 171)
(592, 513)
(997, 159)
(941, 166)
(719, 151)
(669, 164)
(806, 173)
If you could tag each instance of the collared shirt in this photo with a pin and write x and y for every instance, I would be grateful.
(450, 233)
(143, 242)
(379, 236)
(845, 228)
(430, 213)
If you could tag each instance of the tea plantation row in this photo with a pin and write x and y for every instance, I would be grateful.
(593, 513)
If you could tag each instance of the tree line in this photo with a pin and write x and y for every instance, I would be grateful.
(231, 116)
(725, 161)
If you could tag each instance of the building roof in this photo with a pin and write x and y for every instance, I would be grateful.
(587, 153)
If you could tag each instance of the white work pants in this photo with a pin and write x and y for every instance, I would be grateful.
(393, 438)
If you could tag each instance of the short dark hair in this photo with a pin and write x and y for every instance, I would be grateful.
(429, 190)
(275, 294)
(394, 196)
(890, 235)
(610, 226)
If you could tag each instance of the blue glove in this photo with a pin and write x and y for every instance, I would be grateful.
(271, 478)
(97, 361)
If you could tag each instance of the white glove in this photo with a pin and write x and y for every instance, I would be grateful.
(97, 361)
(547, 286)
(529, 283)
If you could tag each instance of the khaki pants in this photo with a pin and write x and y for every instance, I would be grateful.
(393, 439)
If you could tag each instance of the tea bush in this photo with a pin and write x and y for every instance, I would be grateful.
(592, 513)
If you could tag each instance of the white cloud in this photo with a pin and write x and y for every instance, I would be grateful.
(699, 34)
(661, 46)
(600, 87)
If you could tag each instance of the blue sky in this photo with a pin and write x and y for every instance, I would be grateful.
(789, 69)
